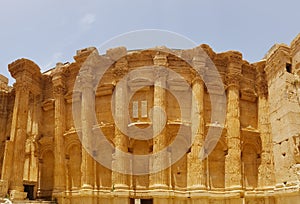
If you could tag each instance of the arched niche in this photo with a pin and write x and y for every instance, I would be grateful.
(179, 168)
(46, 179)
(74, 166)
(216, 166)
(251, 162)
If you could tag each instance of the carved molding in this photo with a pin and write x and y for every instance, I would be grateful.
(121, 68)
(59, 90)
(48, 104)
(233, 80)
(21, 66)
(22, 86)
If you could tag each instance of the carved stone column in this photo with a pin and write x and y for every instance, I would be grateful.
(196, 168)
(266, 170)
(27, 75)
(160, 180)
(39, 184)
(59, 91)
(18, 135)
(120, 180)
(87, 121)
(233, 172)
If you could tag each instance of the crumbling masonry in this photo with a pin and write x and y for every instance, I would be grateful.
(256, 160)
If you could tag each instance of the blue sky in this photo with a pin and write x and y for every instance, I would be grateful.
(49, 31)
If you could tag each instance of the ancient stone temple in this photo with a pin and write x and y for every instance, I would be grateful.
(145, 126)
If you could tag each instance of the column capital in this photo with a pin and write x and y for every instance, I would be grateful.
(198, 75)
(59, 90)
(121, 68)
(27, 75)
(161, 59)
(21, 66)
(233, 80)
(22, 85)
(58, 80)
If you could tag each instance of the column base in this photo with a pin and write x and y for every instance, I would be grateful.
(3, 188)
(17, 195)
(120, 187)
(59, 190)
(234, 188)
(159, 187)
(197, 188)
(86, 187)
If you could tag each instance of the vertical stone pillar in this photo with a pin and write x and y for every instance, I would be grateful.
(59, 91)
(196, 167)
(87, 122)
(3, 109)
(120, 180)
(266, 170)
(27, 75)
(40, 166)
(18, 134)
(160, 179)
(233, 174)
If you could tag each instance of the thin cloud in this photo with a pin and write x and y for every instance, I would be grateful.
(87, 20)
(56, 57)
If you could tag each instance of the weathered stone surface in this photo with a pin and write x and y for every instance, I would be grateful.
(137, 106)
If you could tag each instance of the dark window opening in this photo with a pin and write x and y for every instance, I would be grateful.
(146, 201)
(141, 201)
(151, 149)
(130, 149)
(29, 189)
(288, 67)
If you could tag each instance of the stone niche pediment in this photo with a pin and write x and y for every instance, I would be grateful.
(46, 140)
(105, 89)
(48, 104)
(248, 95)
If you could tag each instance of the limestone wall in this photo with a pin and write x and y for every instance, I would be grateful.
(255, 159)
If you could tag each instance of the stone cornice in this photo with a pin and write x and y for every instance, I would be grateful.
(27, 75)
(22, 65)
(295, 45)
(276, 61)
(83, 54)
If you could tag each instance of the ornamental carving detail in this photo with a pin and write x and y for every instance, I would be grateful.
(59, 90)
(233, 80)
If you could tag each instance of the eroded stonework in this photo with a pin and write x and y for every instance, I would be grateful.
(255, 160)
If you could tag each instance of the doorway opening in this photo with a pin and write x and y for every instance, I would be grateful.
(29, 189)
(141, 201)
